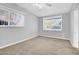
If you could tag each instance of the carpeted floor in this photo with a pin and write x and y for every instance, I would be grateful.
(41, 46)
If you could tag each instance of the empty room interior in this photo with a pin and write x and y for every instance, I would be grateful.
(39, 28)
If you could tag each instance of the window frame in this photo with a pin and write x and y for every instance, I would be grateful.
(53, 18)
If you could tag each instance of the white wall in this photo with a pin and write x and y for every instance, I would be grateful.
(10, 35)
(64, 34)
(74, 28)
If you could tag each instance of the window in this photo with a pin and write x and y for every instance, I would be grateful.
(10, 17)
(52, 23)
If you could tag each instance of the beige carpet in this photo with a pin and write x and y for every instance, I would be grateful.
(41, 46)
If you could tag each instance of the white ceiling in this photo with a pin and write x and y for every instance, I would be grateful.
(55, 8)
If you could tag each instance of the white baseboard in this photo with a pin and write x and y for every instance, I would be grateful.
(55, 37)
(29, 39)
(18, 42)
(74, 46)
